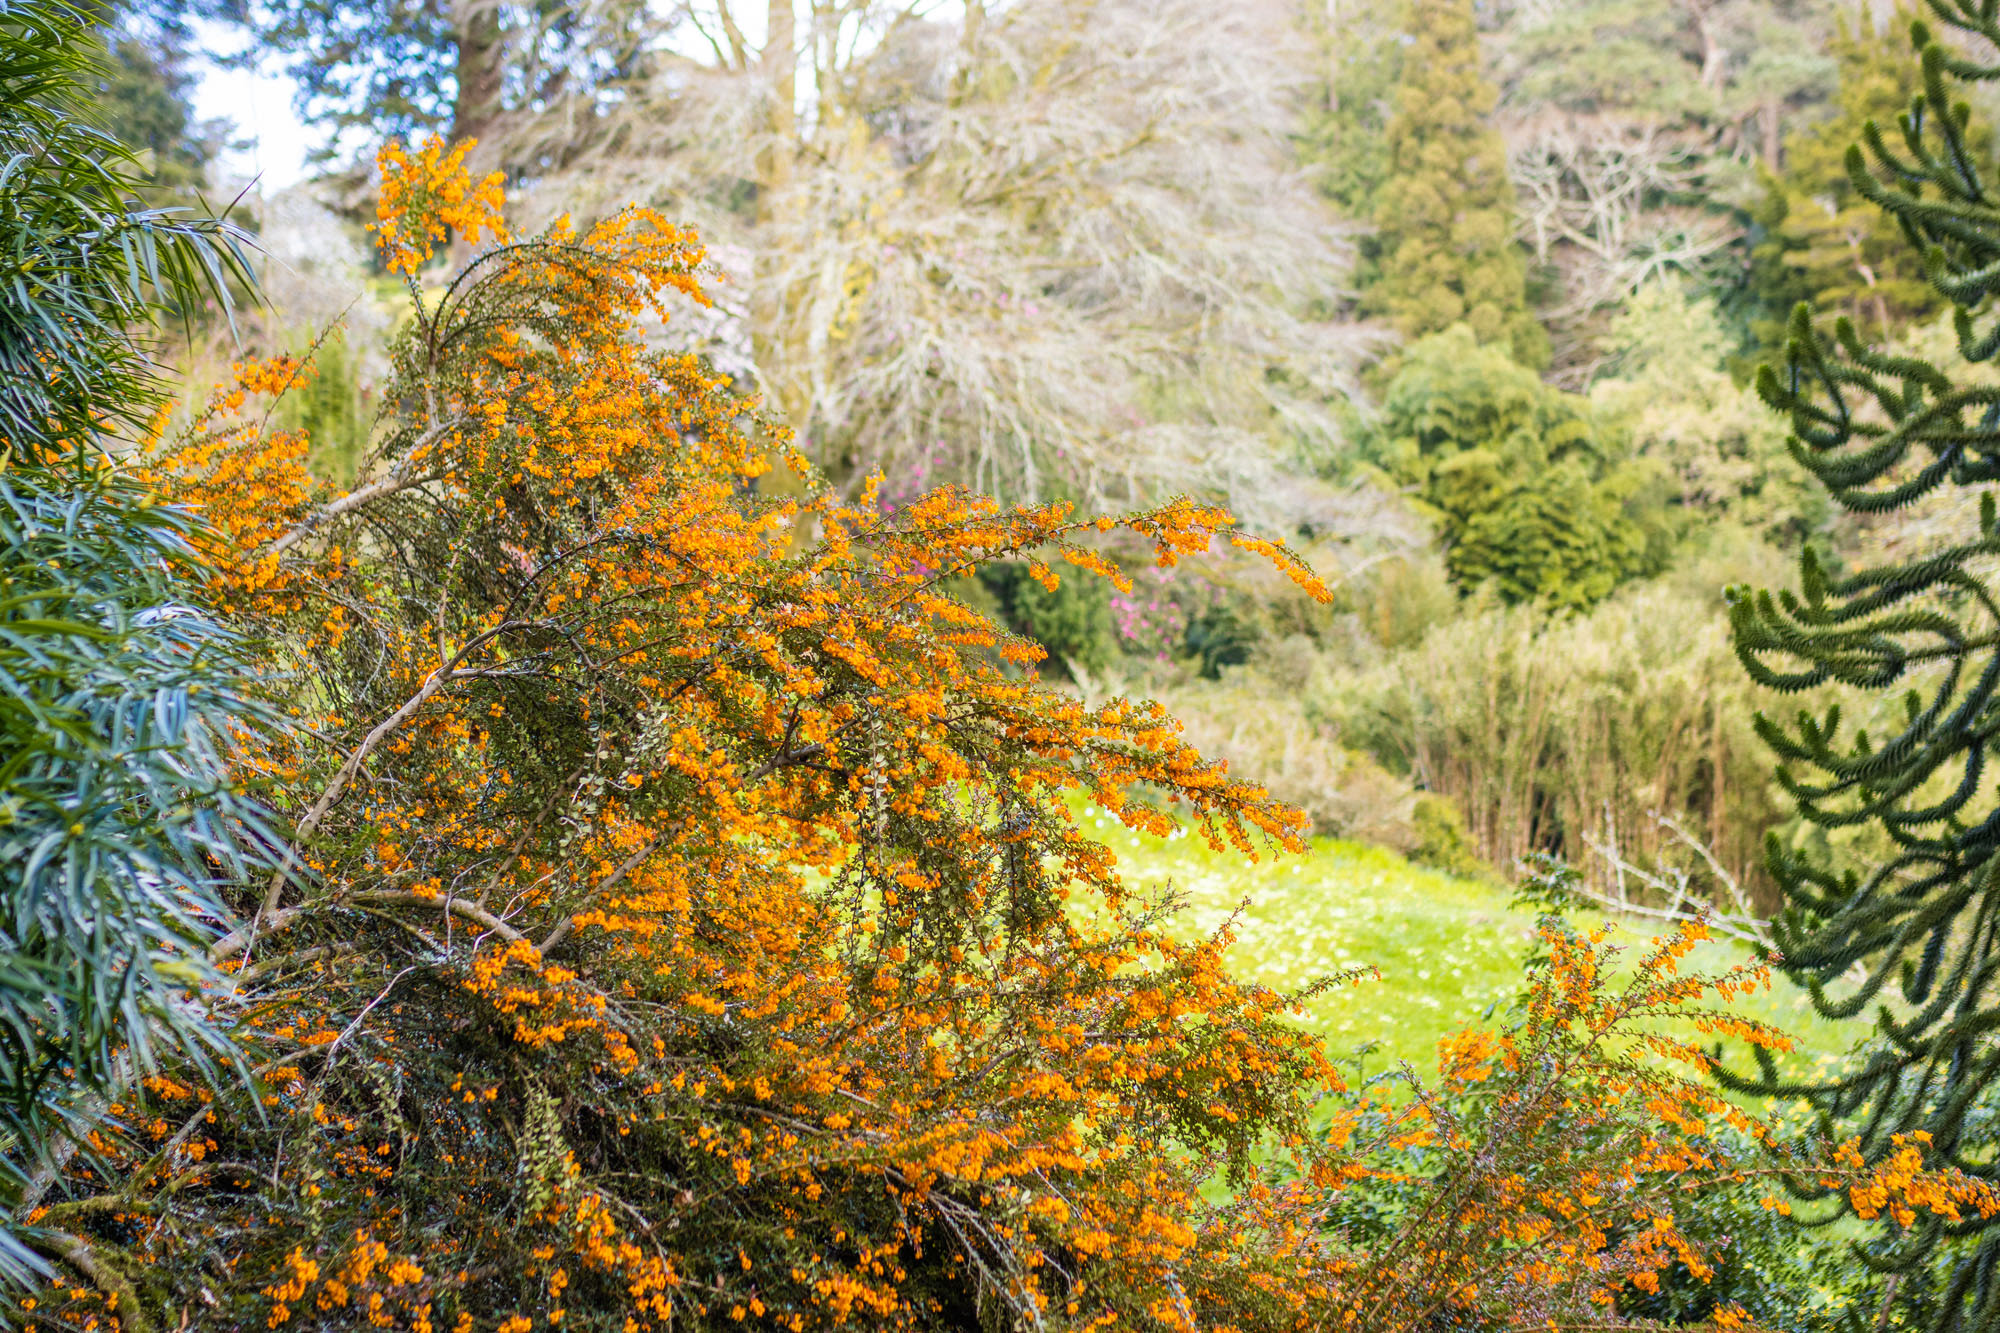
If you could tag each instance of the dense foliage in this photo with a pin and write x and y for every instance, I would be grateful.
(1635, 134)
(1529, 495)
(1825, 242)
(383, 67)
(668, 886)
(683, 904)
(121, 703)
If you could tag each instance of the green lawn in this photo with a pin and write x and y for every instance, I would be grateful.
(1449, 950)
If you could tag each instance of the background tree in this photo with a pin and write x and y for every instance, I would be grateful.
(984, 247)
(1883, 432)
(1444, 218)
(1634, 131)
(528, 78)
(1666, 394)
(141, 99)
(1344, 126)
(1053, 248)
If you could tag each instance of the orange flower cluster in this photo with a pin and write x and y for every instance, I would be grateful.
(1901, 1186)
(427, 198)
(1554, 1153)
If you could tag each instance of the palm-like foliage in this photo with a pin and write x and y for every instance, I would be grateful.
(120, 821)
(78, 264)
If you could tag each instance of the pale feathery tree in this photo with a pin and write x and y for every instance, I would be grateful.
(1603, 204)
(1041, 247)
(1630, 126)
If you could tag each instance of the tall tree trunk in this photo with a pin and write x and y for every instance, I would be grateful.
(478, 73)
(969, 34)
(1714, 56)
(778, 68)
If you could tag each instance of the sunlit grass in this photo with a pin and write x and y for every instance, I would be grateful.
(1449, 950)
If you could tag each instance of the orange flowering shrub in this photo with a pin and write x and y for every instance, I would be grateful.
(682, 928)
(1537, 1179)
(1543, 1179)
(688, 927)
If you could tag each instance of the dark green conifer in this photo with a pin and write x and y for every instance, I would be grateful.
(1915, 936)
(1445, 217)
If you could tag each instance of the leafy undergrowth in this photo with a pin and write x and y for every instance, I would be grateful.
(1449, 950)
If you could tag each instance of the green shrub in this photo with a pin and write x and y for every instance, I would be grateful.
(1529, 496)
(1718, 453)
(1398, 601)
(1223, 635)
(1551, 732)
(329, 407)
(1441, 840)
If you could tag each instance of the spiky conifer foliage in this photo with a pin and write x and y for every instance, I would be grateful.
(1917, 936)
